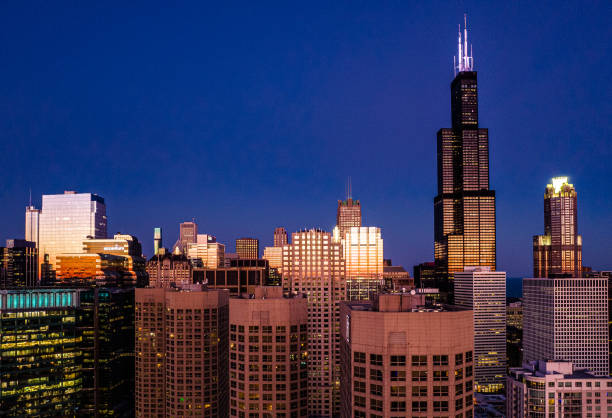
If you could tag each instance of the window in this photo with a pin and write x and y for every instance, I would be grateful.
(376, 390)
(468, 357)
(440, 375)
(360, 401)
(376, 404)
(468, 386)
(359, 357)
(458, 359)
(419, 391)
(459, 374)
(419, 375)
(440, 391)
(458, 389)
(359, 414)
(376, 360)
(398, 360)
(419, 360)
(376, 375)
(398, 375)
(398, 406)
(359, 386)
(440, 406)
(398, 391)
(419, 406)
(468, 371)
(360, 372)
(441, 360)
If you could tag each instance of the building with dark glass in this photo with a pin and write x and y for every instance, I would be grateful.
(559, 251)
(240, 278)
(464, 209)
(18, 264)
(40, 352)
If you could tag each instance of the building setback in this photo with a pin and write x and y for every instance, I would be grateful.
(567, 319)
(268, 354)
(400, 358)
(484, 291)
(182, 352)
(313, 265)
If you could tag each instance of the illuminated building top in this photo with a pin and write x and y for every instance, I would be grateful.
(463, 61)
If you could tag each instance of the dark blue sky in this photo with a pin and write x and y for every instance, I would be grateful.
(250, 117)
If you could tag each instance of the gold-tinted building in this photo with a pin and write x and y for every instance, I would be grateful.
(247, 247)
(464, 209)
(559, 250)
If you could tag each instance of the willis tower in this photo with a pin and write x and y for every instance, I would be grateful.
(464, 209)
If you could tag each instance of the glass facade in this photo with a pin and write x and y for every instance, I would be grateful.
(18, 264)
(66, 220)
(464, 209)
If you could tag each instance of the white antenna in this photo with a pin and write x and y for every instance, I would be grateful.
(465, 60)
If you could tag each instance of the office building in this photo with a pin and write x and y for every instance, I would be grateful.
(484, 292)
(40, 356)
(280, 237)
(126, 246)
(18, 264)
(553, 388)
(89, 269)
(567, 319)
(401, 358)
(559, 251)
(362, 250)
(274, 255)
(32, 219)
(188, 233)
(169, 270)
(240, 278)
(66, 220)
(425, 275)
(464, 209)
(313, 265)
(247, 247)
(157, 240)
(268, 354)
(514, 333)
(182, 352)
(206, 252)
(105, 320)
(348, 216)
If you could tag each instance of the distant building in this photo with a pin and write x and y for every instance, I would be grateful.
(401, 358)
(313, 265)
(206, 252)
(66, 220)
(280, 237)
(559, 250)
(425, 275)
(484, 291)
(349, 215)
(40, 353)
(157, 240)
(397, 278)
(274, 255)
(18, 264)
(32, 219)
(169, 270)
(553, 388)
(187, 235)
(182, 352)
(567, 319)
(240, 278)
(362, 250)
(247, 247)
(274, 327)
(514, 333)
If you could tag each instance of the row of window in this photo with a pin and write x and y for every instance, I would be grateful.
(416, 360)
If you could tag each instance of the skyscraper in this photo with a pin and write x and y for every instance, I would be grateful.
(280, 237)
(567, 319)
(484, 292)
(349, 215)
(313, 265)
(18, 264)
(32, 218)
(464, 209)
(559, 250)
(247, 247)
(188, 232)
(157, 240)
(206, 252)
(402, 358)
(66, 220)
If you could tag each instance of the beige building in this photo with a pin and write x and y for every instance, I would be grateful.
(206, 252)
(182, 352)
(169, 269)
(268, 354)
(557, 389)
(313, 265)
(274, 255)
(401, 358)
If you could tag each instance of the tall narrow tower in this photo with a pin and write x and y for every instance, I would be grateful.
(349, 212)
(464, 209)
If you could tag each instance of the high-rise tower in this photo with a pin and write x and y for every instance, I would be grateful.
(559, 250)
(464, 209)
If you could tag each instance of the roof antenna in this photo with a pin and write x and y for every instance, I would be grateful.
(30, 197)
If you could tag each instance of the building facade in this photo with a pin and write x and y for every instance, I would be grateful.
(402, 359)
(556, 389)
(268, 354)
(66, 220)
(484, 291)
(464, 209)
(157, 240)
(313, 265)
(206, 252)
(280, 237)
(348, 216)
(40, 352)
(240, 278)
(247, 247)
(182, 352)
(169, 270)
(18, 264)
(559, 250)
(567, 319)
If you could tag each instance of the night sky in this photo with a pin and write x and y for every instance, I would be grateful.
(252, 116)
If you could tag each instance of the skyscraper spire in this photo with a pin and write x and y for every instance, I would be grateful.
(463, 61)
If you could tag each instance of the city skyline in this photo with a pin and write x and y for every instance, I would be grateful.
(560, 134)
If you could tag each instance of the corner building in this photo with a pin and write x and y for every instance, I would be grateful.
(182, 352)
(313, 265)
(403, 359)
(268, 354)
